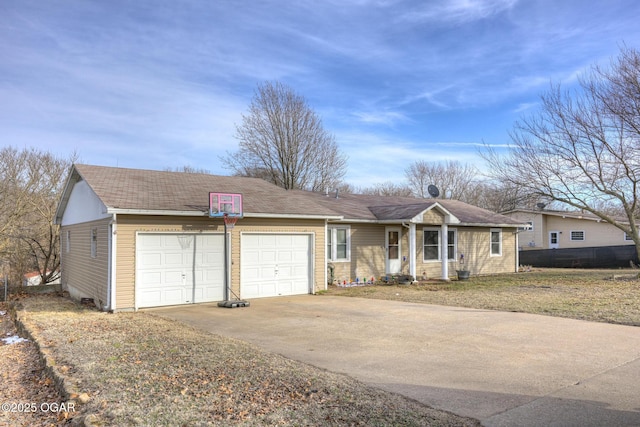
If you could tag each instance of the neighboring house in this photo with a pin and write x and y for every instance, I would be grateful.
(138, 238)
(33, 279)
(550, 229)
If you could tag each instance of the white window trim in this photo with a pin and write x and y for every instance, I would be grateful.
(495, 230)
(455, 243)
(334, 247)
(584, 236)
(439, 244)
(68, 241)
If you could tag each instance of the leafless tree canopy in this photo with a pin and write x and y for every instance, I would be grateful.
(387, 188)
(283, 141)
(30, 186)
(583, 147)
(455, 180)
(187, 169)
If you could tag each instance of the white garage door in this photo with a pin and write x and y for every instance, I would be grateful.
(176, 269)
(275, 264)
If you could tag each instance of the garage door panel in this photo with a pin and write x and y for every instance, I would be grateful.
(285, 256)
(282, 266)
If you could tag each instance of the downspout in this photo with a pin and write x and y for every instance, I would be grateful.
(412, 248)
(111, 275)
(517, 251)
(326, 261)
(444, 251)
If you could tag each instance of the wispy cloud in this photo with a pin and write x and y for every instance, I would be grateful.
(162, 83)
(388, 118)
(460, 11)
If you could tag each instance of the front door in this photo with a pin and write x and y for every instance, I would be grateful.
(554, 240)
(392, 242)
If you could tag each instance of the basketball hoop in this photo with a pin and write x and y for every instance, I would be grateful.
(230, 221)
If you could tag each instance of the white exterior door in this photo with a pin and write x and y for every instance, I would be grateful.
(174, 269)
(554, 240)
(275, 265)
(394, 250)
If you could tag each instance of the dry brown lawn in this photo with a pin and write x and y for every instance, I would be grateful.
(611, 296)
(140, 369)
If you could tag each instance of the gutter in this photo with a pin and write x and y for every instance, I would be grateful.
(166, 212)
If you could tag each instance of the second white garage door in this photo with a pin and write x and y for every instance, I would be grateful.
(275, 265)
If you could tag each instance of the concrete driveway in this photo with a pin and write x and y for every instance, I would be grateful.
(505, 369)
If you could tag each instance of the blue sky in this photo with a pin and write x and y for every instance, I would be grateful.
(157, 84)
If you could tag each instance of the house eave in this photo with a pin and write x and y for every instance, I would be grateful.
(73, 178)
(293, 216)
(152, 212)
(473, 224)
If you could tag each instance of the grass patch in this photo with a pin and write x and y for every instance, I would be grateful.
(140, 369)
(593, 295)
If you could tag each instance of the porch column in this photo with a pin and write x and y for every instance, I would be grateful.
(412, 249)
(444, 252)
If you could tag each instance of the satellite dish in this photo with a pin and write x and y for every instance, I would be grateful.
(541, 206)
(433, 191)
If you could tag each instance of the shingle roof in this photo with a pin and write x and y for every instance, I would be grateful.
(364, 206)
(148, 190)
(122, 189)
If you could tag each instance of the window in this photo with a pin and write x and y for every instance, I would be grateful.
(627, 237)
(68, 241)
(528, 227)
(431, 244)
(338, 243)
(452, 241)
(94, 242)
(496, 242)
(431, 250)
(577, 235)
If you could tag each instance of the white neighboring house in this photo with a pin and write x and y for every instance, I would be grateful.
(551, 229)
(33, 279)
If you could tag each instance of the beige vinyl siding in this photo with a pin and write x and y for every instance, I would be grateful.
(84, 276)
(433, 217)
(533, 238)
(129, 225)
(367, 254)
(475, 244)
(595, 233)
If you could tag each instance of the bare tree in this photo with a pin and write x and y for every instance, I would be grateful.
(187, 169)
(583, 147)
(30, 185)
(455, 180)
(387, 189)
(282, 139)
(502, 197)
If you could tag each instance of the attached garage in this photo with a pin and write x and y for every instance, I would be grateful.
(179, 268)
(275, 264)
(133, 239)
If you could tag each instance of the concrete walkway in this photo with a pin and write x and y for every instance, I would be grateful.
(505, 369)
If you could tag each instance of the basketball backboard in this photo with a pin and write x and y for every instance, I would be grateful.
(225, 203)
